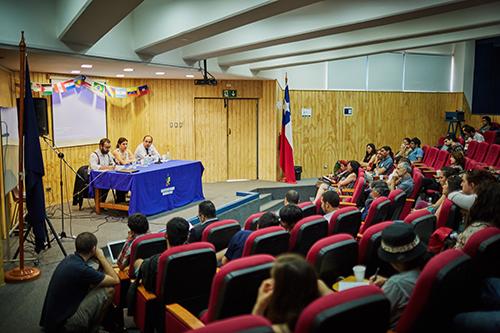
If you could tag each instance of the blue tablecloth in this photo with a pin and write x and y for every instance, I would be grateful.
(155, 188)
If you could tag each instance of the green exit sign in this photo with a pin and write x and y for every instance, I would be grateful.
(229, 93)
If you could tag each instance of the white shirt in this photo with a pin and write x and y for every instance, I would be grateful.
(478, 137)
(140, 152)
(98, 159)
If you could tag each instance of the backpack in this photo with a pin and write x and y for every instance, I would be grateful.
(147, 274)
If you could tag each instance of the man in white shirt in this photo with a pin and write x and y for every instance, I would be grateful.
(146, 148)
(101, 159)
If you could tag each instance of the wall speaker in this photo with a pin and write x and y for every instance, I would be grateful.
(41, 115)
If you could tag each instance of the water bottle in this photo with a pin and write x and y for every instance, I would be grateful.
(167, 156)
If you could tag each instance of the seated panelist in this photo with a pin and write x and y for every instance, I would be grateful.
(121, 154)
(101, 159)
(146, 148)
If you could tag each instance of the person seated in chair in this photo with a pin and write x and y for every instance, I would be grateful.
(451, 144)
(402, 179)
(402, 248)
(237, 243)
(121, 154)
(417, 154)
(289, 216)
(146, 149)
(378, 188)
(471, 135)
(102, 160)
(138, 225)
(329, 203)
(385, 165)
(78, 296)
(206, 215)
(176, 233)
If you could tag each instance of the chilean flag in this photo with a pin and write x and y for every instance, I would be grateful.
(286, 142)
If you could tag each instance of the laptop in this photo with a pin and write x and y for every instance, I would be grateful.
(114, 249)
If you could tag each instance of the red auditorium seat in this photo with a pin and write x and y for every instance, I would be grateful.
(484, 248)
(306, 232)
(220, 233)
(347, 200)
(439, 162)
(184, 277)
(492, 156)
(368, 247)
(308, 208)
(425, 149)
(377, 213)
(424, 223)
(439, 293)
(480, 154)
(345, 220)
(398, 200)
(271, 240)
(240, 324)
(251, 221)
(233, 293)
(471, 148)
(410, 201)
(144, 247)
(490, 137)
(361, 309)
(429, 158)
(449, 215)
(333, 256)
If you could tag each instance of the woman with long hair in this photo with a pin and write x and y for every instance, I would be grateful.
(370, 156)
(292, 286)
(121, 154)
(457, 160)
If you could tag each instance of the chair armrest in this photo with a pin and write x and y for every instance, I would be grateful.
(345, 203)
(345, 196)
(183, 316)
(146, 294)
(410, 200)
(348, 190)
(123, 276)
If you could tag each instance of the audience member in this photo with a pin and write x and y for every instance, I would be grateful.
(347, 180)
(405, 148)
(378, 188)
(206, 215)
(237, 243)
(121, 154)
(471, 182)
(485, 212)
(370, 156)
(138, 225)
(402, 179)
(292, 286)
(78, 296)
(452, 184)
(385, 164)
(146, 149)
(417, 154)
(329, 203)
(291, 197)
(451, 144)
(402, 248)
(289, 216)
(457, 160)
(487, 125)
(176, 233)
(471, 135)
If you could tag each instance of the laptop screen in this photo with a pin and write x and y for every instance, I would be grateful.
(114, 249)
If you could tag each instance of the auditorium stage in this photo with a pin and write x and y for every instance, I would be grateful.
(22, 311)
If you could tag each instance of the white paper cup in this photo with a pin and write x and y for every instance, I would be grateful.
(359, 272)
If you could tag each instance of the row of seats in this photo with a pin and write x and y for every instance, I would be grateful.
(484, 154)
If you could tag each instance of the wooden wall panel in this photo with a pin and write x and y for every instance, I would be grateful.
(242, 139)
(268, 131)
(383, 118)
(211, 137)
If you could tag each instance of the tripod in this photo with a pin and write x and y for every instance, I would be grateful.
(60, 155)
(52, 230)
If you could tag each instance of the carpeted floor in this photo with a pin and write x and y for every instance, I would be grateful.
(21, 304)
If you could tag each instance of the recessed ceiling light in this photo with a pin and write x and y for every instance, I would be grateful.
(160, 73)
(86, 66)
(189, 75)
(128, 69)
(75, 72)
(120, 75)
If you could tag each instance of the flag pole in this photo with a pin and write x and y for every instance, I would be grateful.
(21, 273)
